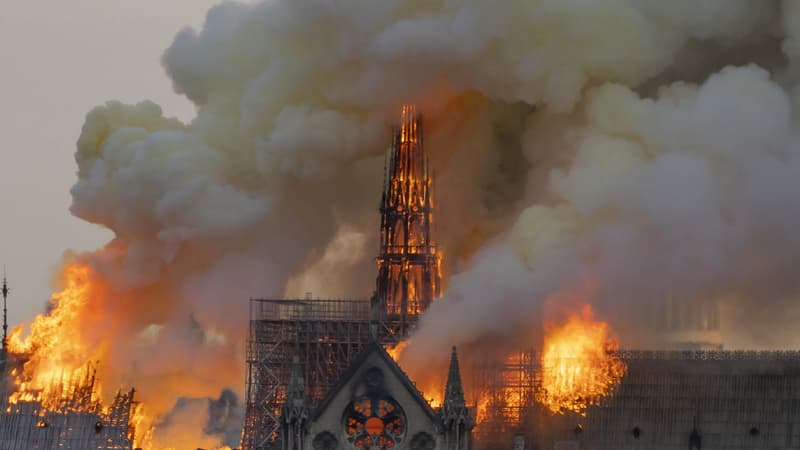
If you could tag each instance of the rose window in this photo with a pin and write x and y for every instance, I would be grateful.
(374, 421)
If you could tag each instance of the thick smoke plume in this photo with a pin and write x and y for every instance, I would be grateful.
(647, 148)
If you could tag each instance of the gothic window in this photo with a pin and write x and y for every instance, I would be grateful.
(423, 441)
(324, 441)
(374, 420)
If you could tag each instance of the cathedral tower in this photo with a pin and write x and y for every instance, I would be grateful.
(408, 264)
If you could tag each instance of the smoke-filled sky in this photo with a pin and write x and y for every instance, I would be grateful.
(59, 59)
(617, 153)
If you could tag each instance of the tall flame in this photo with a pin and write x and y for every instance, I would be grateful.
(53, 347)
(58, 358)
(578, 364)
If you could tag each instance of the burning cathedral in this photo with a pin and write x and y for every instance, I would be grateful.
(321, 375)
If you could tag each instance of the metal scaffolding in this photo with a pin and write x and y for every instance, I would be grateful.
(325, 335)
(503, 392)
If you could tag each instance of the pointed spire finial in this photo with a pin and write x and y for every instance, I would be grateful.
(454, 392)
(456, 418)
(5, 292)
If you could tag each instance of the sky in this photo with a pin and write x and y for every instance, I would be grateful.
(59, 59)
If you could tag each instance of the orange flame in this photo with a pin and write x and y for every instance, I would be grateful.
(53, 349)
(578, 366)
(507, 391)
(143, 426)
(396, 351)
(408, 128)
(428, 385)
(58, 369)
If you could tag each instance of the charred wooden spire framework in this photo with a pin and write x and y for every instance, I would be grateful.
(326, 335)
(409, 264)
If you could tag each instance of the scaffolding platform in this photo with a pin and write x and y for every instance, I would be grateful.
(326, 335)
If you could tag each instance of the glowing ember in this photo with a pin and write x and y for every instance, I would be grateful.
(578, 367)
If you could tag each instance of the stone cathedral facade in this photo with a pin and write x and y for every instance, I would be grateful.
(374, 406)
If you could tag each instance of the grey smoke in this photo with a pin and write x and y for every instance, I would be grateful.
(628, 145)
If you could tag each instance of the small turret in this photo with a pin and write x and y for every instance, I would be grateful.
(454, 392)
(456, 417)
(294, 413)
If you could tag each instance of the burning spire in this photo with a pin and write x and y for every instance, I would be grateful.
(408, 264)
